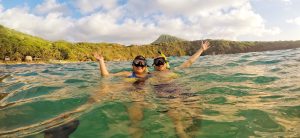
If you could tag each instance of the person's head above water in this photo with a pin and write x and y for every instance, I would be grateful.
(159, 63)
(139, 64)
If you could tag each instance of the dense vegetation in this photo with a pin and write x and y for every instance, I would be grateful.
(16, 46)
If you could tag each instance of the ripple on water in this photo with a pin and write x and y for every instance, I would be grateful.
(264, 79)
(28, 74)
(36, 112)
(211, 112)
(272, 97)
(172, 64)
(215, 129)
(2, 95)
(99, 121)
(264, 62)
(275, 69)
(218, 100)
(274, 89)
(155, 127)
(242, 60)
(238, 77)
(240, 87)
(14, 87)
(258, 120)
(290, 111)
(75, 81)
(93, 64)
(33, 92)
(232, 64)
(72, 69)
(17, 66)
(53, 72)
(211, 77)
(120, 70)
(295, 90)
(247, 56)
(224, 90)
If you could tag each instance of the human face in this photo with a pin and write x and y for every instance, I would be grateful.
(139, 62)
(139, 65)
(160, 64)
(160, 67)
(139, 69)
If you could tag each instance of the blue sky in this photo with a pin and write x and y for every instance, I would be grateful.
(142, 21)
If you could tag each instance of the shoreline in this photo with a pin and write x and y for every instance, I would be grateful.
(49, 62)
(2, 62)
(40, 62)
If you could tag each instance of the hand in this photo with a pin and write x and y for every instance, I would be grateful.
(98, 56)
(205, 45)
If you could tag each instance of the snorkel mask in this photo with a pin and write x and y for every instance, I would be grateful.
(139, 61)
(161, 60)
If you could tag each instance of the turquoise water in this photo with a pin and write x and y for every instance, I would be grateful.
(240, 95)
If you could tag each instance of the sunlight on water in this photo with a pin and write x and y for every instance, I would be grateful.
(239, 95)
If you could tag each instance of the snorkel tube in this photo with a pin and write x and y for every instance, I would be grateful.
(164, 56)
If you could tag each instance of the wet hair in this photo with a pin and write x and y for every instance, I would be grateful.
(159, 61)
(140, 57)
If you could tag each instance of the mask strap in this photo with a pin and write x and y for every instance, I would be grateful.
(164, 56)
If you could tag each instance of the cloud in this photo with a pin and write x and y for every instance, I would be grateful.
(53, 26)
(294, 21)
(51, 6)
(140, 22)
(89, 6)
(213, 19)
(179, 7)
(197, 7)
(287, 2)
(238, 21)
(104, 27)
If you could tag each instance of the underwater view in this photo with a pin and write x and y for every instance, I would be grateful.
(236, 95)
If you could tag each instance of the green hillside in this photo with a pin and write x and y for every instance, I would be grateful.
(167, 39)
(17, 45)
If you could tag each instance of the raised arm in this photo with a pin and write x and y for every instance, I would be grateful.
(102, 65)
(204, 46)
(103, 69)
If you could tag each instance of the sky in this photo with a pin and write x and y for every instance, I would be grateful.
(142, 21)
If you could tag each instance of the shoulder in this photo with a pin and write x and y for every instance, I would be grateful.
(172, 74)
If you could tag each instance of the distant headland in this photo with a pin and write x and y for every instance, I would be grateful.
(19, 47)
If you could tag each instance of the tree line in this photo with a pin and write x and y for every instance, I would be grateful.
(17, 45)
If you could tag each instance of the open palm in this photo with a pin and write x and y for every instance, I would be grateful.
(98, 56)
(205, 45)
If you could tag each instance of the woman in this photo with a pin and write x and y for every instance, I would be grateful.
(164, 86)
(139, 67)
(162, 80)
(161, 64)
(138, 76)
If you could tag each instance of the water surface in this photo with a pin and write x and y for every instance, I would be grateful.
(240, 95)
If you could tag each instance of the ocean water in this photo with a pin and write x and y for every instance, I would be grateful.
(240, 95)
